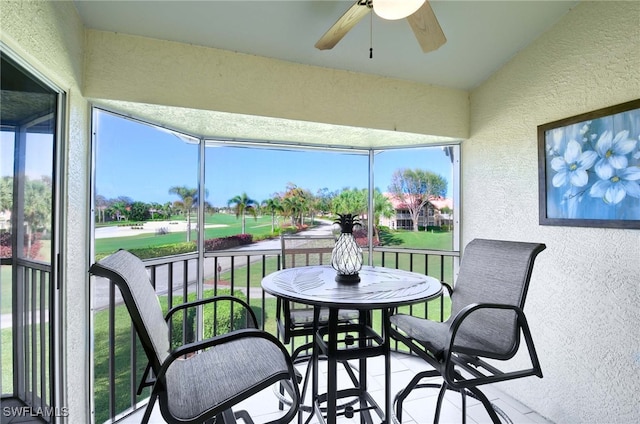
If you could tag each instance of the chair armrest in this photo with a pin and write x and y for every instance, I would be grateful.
(199, 302)
(448, 287)
(449, 362)
(468, 310)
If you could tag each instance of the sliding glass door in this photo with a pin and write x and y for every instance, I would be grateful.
(28, 141)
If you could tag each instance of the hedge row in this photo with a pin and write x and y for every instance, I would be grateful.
(228, 242)
(188, 247)
(362, 239)
(6, 248)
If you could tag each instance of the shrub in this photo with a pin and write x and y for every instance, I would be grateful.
(6, 247)
(362, 239)
(165, 250)
(229, 242)
(288, 230)
(159, 251)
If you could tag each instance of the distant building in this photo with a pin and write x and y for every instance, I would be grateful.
(431, 214)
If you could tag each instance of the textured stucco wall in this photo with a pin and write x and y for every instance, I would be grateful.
(584, 299)
(144, 70)
(50, 37)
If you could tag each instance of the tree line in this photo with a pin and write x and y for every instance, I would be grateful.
(36, 211)
(411, 187)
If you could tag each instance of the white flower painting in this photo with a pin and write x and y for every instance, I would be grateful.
(593, 168)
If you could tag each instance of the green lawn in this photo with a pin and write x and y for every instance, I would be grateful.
(260, 227)
(6, 356)
(5, 289)
(437, 240)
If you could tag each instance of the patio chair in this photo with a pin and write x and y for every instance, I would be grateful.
(203, 380)
(296, 320)
(486, 323)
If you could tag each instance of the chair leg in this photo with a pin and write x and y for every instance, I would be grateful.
(295, 357)
(443, 390)
(244, 416)
(226, 417)
(488, 406)
(147, 379)
(305, 385)
(413, 384)
(147, 412)
(463, 395)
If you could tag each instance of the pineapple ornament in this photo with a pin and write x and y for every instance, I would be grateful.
(346, 257)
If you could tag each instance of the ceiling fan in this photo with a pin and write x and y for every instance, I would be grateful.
(423, 21)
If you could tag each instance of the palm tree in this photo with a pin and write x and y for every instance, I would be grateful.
(382, 207)
(101, 206)
(166, 210)
(295, 202)
(188, 198)
(292, 207)
(37, 208)
(6, 193)
(272, 206)
(243, 204)
(119, 209)
(155, 208)
(350, 201)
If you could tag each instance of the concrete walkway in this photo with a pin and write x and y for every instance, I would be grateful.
(5, 321)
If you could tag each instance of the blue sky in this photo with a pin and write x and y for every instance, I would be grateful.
(38, 158)
(141, 162)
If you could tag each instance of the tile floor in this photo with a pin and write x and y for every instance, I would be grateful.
(419, 407)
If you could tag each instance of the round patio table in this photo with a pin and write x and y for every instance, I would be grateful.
(379, 289)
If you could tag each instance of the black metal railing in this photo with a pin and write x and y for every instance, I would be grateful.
(119, 361)
(30, 358)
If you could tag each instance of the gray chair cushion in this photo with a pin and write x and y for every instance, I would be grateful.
(216, 375)
(431, 334)
(491, 271)
(130, 274)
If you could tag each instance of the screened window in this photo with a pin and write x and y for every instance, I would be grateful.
(264, 192)
(146, 187)
(418, 196)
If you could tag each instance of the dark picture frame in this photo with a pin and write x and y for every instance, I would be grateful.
(589, 169)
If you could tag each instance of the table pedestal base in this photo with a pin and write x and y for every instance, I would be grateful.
(357, 341)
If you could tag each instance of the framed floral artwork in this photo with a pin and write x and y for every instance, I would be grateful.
(589, 168)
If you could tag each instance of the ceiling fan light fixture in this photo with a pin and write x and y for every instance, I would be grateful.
(396, 9)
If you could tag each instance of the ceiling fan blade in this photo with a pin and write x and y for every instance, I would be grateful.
(426, 28)
(343, 25)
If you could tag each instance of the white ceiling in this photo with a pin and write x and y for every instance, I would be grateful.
(481, 35)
